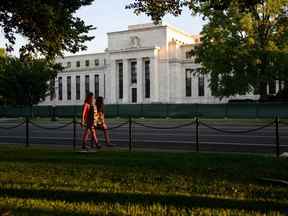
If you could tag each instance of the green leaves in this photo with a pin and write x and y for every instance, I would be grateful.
(244, 43)
(50, 26)
(25, 83)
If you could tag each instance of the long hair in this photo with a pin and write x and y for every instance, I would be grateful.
(100, 104)
(89, 98)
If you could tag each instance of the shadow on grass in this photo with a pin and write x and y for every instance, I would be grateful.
(179, 201)
(37, 211)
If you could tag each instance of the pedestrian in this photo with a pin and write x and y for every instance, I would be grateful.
(100, 120)
(88, 122)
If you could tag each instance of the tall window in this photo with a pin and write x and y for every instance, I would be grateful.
(272, 87)
(134, 95)
(69, 88)
(188, 55)
(52, 89)
(201, 86)
(87, 63)
(133, 72)
(60, 88)
(96, 62)
(120, 77)
(78, 88)
(96, 85)
(147, 78)
(78, 64)
(87, 84)
(188, 82)
(69, 64)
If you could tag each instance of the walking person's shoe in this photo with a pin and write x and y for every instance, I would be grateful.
(110, 145)
(84, 148)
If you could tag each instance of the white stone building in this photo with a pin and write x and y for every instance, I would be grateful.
(145, 64)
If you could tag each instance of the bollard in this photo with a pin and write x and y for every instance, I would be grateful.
(197, 134)
(277, 137)
(74, 133)
(27, 131)
(130, 134)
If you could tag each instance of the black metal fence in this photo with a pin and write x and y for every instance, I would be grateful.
(131, 123)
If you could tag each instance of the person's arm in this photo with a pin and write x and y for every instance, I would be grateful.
(84, 113)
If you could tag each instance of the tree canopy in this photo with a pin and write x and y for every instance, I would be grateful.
(51, 27)
(244, 44)
(25, 83)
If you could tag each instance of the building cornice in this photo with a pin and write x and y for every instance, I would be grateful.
(139, 49)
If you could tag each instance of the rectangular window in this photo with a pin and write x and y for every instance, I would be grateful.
(133, 69)
(188, 82)
(272, 87)
(120, 77)
(87, 85)
(78, 88)
(134, 95)
(96, 85)
(96, 62)
(52, 89)
(147, 78)
(69, 88)
(68, 64)
(60, 88)
(188, 55)
(87, 63)
(201, 86)
(78, 64)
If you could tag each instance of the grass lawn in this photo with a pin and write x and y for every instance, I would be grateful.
(50, 182)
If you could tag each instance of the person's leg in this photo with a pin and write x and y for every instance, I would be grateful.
(85, 138)
(106, 134)
(94, 137)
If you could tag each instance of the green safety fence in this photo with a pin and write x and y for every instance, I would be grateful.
(231, 110)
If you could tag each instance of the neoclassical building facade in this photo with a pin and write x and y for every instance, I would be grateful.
(146, 63)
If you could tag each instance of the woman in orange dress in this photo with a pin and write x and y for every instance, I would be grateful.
(100, 120)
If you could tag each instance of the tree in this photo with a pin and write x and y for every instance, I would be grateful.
(2, 53)
(50, 26)
(25, 83)
(244, 44)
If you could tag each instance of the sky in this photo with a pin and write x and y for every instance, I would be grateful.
(110, 16)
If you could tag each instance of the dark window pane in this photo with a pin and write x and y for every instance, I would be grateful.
(96, 62)
(147, 78)
(52, 89)
(87, 85)
(120, 74)
(60, 88)
(96, 85)
(133, 72)
(78, 88)
(87, 63)
(134, 95)
(188, 82)
(201, 86)
(69, 88)
(78, 64)
(272, 87)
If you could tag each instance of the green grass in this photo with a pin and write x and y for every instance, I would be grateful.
(50, 182)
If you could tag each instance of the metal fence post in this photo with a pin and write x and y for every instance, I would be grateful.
(197, 134)
(130, 133)
(27, 131)
(74, 133)
(277, 136)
